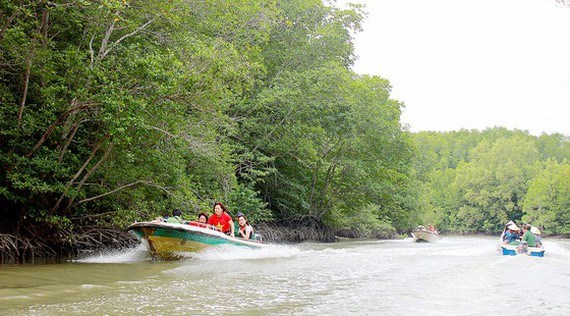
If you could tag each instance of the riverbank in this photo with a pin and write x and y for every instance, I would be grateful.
(41, 244)
(88, 240)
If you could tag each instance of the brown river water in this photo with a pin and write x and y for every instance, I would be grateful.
(455, 276)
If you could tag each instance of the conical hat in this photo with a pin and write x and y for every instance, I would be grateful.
(513, 227)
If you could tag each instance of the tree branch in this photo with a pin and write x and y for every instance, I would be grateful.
(111, 192)
(90, 172)
(104, 51)
(69, 137)
(105, 41)
(26, 82)
(145, 182)
(52, 127)
(78, 173)
(91, 52)
(92, 216)
(10, 19)
(29, 61)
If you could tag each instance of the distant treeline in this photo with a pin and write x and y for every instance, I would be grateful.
(115, 111)
(475, 181)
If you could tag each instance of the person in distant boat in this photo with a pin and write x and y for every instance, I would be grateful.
(202, 218)
(245, 230)
(528, 239)
(537, 235)
(521, 231)
(433, 230)
(176, 217)
(528, 236)
(222, 220)
(506, 229)
(512, 234)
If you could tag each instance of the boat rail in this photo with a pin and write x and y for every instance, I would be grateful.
(202, 225)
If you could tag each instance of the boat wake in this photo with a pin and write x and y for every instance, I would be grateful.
(229, 252)
(554, 249)
(219, 253)
(137, 254)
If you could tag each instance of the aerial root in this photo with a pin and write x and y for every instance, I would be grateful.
(19, 248)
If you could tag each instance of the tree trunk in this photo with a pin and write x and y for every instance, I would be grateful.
(88, 174)
(42, 28)
(78, 173)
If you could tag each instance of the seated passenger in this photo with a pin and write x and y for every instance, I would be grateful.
(176, 217)
(245, 230)
(222, 220)
(512, 234)
(202, 218)
(527, 240)
(506, 229)
(528, 236)
(537, 236)
(433, 230)
(521, 232)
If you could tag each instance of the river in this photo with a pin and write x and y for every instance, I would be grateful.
(455, 276)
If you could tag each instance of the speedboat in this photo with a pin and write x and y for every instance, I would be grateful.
(521, 249)
(424, 235)
(171, 240)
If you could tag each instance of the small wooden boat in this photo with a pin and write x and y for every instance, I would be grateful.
(169, 240)
(424, 235)
(513, 250)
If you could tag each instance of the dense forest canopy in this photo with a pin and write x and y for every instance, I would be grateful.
(475, 181)
(116, 110)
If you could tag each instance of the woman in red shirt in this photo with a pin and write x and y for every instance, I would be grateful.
(222, 220)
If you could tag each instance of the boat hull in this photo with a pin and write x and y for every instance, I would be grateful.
(427, 236)
(511, 250)
(168, 240)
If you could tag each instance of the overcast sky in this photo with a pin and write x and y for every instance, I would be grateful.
(471, 64)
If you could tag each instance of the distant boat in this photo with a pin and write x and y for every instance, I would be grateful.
(169, 240)
(511, 250)
(424, 235)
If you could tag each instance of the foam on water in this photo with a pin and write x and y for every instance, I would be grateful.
(334, 251)
(229, 252)
(468, 252)
(222, 252)
(552, 248)
(137, 254)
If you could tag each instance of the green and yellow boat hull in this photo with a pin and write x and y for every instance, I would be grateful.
(170, 240)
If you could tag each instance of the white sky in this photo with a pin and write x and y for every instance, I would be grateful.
(471, 64)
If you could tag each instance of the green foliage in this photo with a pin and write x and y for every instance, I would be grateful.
(547, 201)
(500, 175)
(246, 200)
(115, 111)
(365, 221)
(118, 111)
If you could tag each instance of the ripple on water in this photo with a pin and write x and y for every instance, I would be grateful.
(457, 276)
